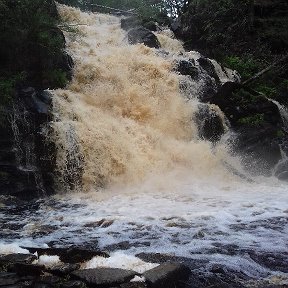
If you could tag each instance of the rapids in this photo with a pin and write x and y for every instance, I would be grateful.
(125, 109)
(146, 181)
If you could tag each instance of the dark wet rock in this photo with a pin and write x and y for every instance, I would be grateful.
(8, 279)
(257, 122)
(273, 261)
(63, 269)
(281, 171)
(27, 169)
(259, 148)
(26, 269)
(166, 275)
(17, 258)
(73, 284)
(187, 67)
(45, 96)
(47, 281)
(150, 25)
(130, 22)
(201, 276)
(134, 285)
(208, 66)
(33, 102)
(67, 64)
(142, 35)
(69, 255)
(209, 123)
(124, 245)
(104, 276)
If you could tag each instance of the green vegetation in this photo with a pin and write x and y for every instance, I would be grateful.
(31, 45)
(158, 10)
(254, 120)
(280, 133)
(246, 65)
(7, 85)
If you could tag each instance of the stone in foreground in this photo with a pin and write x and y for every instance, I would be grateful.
(17, 258)
(99, 277)
(166, 275)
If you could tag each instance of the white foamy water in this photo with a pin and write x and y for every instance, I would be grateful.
(174, 214)
(124, 121)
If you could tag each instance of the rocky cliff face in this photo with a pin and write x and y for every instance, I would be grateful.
(27, 161)
(258, 29)
(27, 158)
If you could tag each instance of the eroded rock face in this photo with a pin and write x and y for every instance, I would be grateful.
(27, 158)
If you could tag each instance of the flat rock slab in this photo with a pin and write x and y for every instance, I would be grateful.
(73, 284)
(17, 258)
(134, 285)
(23, 269)
(100, 277)
(7, 279)
(63, 269)
(166, 275)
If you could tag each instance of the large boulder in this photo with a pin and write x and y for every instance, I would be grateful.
(210, 122)
(166, 275)
(258, 124)
(130, 22)
(142, 35)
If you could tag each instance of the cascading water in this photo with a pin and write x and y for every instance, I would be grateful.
(126, 107)
(125, 128)
(24, 146)
(283, 112)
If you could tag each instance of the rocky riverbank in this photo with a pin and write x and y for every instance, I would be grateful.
(67, 268)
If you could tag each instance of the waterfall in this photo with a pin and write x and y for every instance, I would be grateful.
(283, 112)
(126, 108)
(24, 146)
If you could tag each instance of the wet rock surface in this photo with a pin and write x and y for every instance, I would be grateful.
(258, 125)
(217, 275)
(27, 163)
(104, 276)
(18, 270)
(21, 272)
(143, 35)
(166, 275)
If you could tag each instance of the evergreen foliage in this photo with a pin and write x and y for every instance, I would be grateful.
(31, 44)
